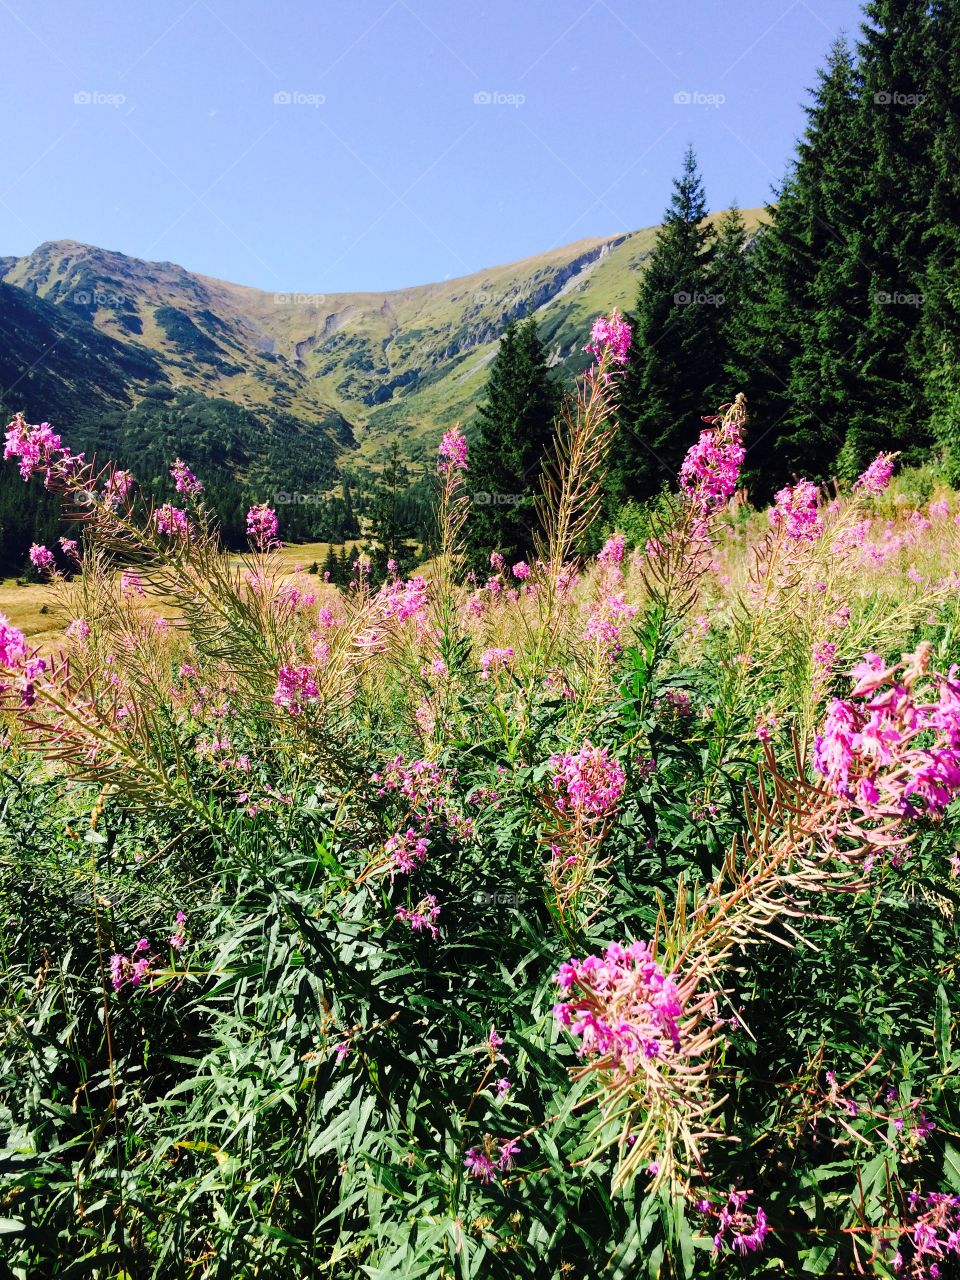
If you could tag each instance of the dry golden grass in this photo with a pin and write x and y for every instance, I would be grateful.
(33, 608)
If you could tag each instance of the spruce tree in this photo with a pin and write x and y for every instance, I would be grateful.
(390, 536)
(895, 67)
(674, 352)
(515, 430)
(941, 291)
(790, 346)
(729, 285)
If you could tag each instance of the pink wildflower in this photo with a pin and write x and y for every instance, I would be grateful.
(34, 446)
(796, 512)
(171, 521)
(117, 488)
(42, 558)
(877, 476)
(738, 1230)
(296, 687)
(422, 916)
(711, 469)
(184, 481)
(70, 549)
(494, 660)
(613, 550)
(622, 1006)
(610, 334)
(262, 526)
(452, 454)
(521, 570)
(588, 783)
(406, 850)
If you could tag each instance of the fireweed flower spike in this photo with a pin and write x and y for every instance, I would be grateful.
(262, 527)
(711, 469)
(892, 749)
(648, 1035)
(610, 334)
(452, 454)
(876, 478)
(184, 481)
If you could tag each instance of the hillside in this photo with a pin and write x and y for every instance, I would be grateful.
(371, 366)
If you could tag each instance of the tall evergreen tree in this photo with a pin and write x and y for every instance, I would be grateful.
(674, 353)
(895, 67)
(391, 533)
(729, 284)
(790, 346)
(516, 423)
(941, 291)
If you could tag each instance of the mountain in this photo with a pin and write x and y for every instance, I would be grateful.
(364, 368)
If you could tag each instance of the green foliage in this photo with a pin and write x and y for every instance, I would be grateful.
(514, 428)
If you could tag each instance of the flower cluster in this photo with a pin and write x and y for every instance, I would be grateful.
(184, 481)
(452, 453)
(607, 621)
(795, 512)
(171, 521)
(296, 686)
(404, 600)
(494, 660)
(932, 1235)
(34, 446)
(489, 1159)
(588, 783)
(134, 969)
(711, 469)
(422, 916)
(738, 1229)
(610, 333)
(893, 748)
(42, 558)
(622, 1006)
(406, 850)
(262, 526)
(876, 478)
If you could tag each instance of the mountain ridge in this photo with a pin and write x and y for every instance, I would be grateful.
(400, 364)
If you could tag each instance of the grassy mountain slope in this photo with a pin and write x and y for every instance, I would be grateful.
(377, 366)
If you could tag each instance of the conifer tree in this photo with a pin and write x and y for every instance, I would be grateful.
(674, 355)
(941, 291)
(790, 347)
(516, 423)
(894, 68)
(391, 533)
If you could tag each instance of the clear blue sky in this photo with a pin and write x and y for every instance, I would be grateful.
(152, 126)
